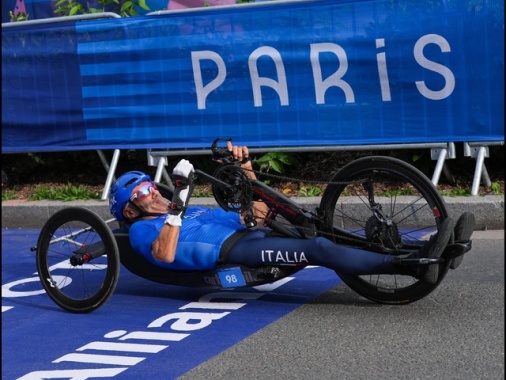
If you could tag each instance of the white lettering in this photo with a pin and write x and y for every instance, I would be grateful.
(280, 86)
(100, 359)
(123, 347)
(182, 320)
(286, 257)
(8, 292)
(273, 285)
(204, 302)
(383, 72)
(445, 72)
(229, 295)
(279, 257)
(204, 91)
(146, 335)
(73, 374)
(321, 86)
(182, 323)
(269, 258)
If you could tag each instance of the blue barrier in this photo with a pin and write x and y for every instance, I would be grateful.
(272, 74)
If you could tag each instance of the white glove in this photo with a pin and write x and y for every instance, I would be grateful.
(182, 176)
(174, 220)
(183, 169)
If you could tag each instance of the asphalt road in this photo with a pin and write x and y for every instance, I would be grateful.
(457, 332)
(309, 328)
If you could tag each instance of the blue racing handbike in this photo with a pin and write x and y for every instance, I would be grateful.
(377, 203)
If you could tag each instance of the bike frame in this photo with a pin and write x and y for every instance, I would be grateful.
(381, 228)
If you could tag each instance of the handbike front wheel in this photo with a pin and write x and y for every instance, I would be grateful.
(77, 260)
(385, 205)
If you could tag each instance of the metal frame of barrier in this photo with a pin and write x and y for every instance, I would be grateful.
(90, 16)
(439, 152)
(478, 151)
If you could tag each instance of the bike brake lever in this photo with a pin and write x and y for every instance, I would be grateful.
(222, 154)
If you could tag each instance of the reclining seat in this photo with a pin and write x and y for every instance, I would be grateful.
(139, 266)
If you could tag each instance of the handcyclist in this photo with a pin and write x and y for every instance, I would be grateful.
(172, 235)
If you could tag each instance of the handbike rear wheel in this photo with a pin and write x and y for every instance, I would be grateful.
(412, 210)
(73, 280)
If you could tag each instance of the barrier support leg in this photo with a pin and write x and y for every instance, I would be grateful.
(161, 171)
(111, 171)
(104, 160)
(441, 154)
(160, 162)
(480, 171)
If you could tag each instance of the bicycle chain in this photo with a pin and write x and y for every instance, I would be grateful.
(312, 231)
(292, 179)
(318, 232)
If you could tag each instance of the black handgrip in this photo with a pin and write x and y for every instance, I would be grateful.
(222, 154)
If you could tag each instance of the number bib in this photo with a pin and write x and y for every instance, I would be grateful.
(231, 277)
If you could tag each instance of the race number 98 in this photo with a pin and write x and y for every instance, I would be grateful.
(231, 277)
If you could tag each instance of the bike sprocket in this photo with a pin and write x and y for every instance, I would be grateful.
(382, 234)
(238, 196)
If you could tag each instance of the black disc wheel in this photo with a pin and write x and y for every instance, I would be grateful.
(385, 205)
(77, 260)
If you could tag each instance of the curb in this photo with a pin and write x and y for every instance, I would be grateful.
(488, 210)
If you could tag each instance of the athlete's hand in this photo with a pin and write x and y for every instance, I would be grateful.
(183, 169)
(241, 153)
(182, 175)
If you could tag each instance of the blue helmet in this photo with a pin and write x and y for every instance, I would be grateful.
(121, 192)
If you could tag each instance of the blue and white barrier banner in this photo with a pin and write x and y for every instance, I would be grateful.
(272, 74)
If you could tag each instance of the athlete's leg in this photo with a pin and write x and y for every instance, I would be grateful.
(464, 228)
(257, 249)
(432, 249)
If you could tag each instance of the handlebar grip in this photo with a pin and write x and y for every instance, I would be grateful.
(221, 153)
(224, 154)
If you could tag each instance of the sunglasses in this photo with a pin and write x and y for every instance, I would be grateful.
(143, 192)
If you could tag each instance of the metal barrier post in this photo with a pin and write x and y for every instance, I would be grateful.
(441, 154)
(54, 20)
(110, 175)
(479, 152)
(160, 162)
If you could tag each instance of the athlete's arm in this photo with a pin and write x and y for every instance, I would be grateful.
(164, 246)
(241, 152)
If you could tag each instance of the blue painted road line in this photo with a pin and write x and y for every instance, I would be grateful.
(145, 330)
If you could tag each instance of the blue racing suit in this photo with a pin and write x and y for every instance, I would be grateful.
(204, 230)
(202, 234)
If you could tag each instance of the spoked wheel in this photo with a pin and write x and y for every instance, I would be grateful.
(77, 260)
(384, 205)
